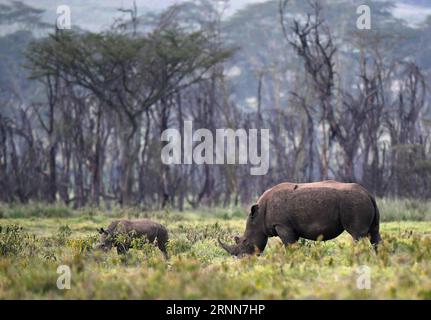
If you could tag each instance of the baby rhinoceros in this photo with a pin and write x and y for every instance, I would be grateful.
(135, 229)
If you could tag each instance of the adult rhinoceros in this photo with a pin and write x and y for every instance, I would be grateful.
(318, 210)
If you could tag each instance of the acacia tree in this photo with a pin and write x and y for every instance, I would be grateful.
(128, 74)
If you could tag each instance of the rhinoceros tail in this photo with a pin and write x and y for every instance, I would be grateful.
(374, 231)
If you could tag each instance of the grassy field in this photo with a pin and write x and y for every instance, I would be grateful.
(36, 239)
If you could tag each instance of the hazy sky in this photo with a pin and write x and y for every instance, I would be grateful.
(98, 14)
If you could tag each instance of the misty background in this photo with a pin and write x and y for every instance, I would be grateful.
(82, 110)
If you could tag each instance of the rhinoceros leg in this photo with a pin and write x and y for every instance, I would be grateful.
(363, 229)
(375, 235)
(286, 234)
(122, 249)
(358, 235)
(357, 221)
(162, 246)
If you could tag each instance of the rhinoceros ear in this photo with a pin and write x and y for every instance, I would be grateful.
(253, 211)
(101, 231)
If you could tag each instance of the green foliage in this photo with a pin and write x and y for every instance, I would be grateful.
(199, 269)
(83, 245)
(13, 241)
(63, 234)
(158, 63)
(179, 245)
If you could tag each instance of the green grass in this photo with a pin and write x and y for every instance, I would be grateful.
(390, 210)
(198, 267)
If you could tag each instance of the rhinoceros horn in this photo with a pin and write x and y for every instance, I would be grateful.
(228, 248)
